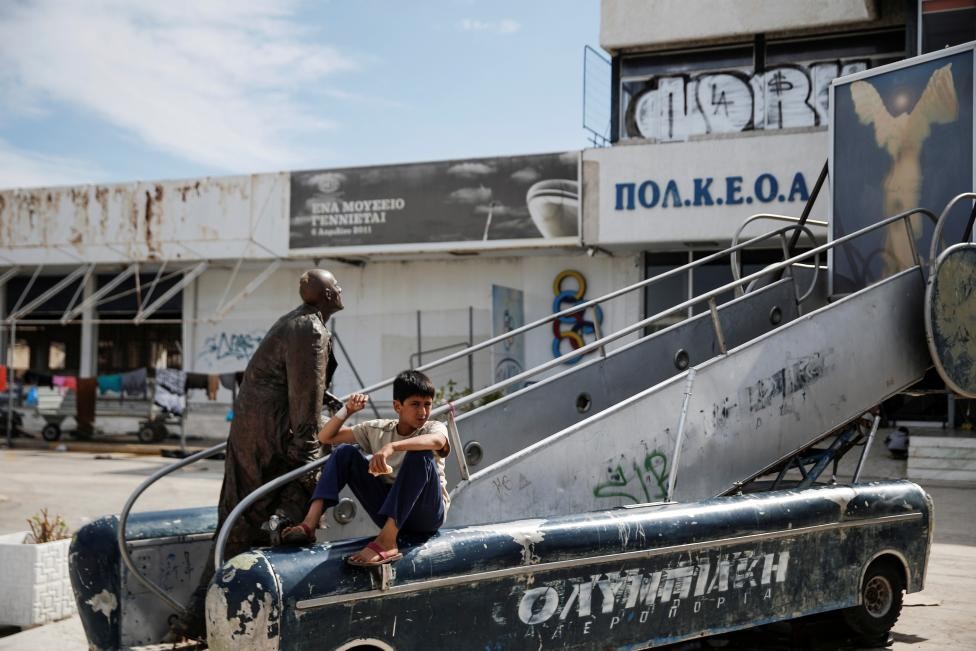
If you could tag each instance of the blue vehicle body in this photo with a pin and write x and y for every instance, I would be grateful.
(625, 578)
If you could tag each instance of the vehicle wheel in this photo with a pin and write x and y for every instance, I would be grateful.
(160, 431)
(146, 434)
(84, 433)
(51, 432)
(881, 598)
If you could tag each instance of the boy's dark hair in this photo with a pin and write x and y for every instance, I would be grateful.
(412, 383)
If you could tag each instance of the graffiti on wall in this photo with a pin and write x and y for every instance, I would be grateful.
(573, 327)
(640, 483)
(675, 107)
(238, 346)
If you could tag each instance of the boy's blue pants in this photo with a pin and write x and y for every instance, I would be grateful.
(413, 500)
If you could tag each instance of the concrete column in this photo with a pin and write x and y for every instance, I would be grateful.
(188, 338)
(4, 333)
(88, 364)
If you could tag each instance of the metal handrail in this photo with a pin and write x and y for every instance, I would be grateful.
(124, 518)
(680, 306)
(599, 343)
(582, 306)
(734, 257)
(225, 531)
(940, 225)
(255, 495)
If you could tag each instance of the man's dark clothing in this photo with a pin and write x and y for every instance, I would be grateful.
(276, 419)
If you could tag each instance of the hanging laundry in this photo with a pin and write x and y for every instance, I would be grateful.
(170, 390)
(65, 381)
(134, 382)
(213, 386)
(38, 379)
(85, 403)
(108, 383)
(196, 381)
(227, 380)
(3, 377)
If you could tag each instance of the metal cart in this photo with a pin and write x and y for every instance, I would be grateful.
(54, 406)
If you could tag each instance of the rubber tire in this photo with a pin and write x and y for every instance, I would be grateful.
(84, 433)
(146, 434)
(51, 432)
(881, 599)
(160, 432)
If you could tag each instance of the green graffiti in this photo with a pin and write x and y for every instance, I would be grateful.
(646, 484)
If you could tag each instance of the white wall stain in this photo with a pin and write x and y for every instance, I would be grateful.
(841, 497)
(525, 533)
(243, 561)
(104, 602)
(242, 629)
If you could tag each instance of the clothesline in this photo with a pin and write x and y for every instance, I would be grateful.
(171, 385)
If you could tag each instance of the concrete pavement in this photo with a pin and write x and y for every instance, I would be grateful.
(82, 486)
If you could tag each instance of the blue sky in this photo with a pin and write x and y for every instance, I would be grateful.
(121, 90)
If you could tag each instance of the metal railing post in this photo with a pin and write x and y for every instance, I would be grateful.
(455, 436)
(867, 447)
(676, 457)
(713, 310)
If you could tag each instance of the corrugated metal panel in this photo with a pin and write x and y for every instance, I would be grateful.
(209, 218)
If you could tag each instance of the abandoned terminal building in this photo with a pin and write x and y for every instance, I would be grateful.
(713, 115)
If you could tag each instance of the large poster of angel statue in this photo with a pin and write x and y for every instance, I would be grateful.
(901, 138)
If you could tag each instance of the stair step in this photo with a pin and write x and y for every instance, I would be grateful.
(943, 475)
(946, 463)
(943, 458)
(916, 451)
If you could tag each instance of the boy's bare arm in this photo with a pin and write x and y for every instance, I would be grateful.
(333, 432)
(432, 441)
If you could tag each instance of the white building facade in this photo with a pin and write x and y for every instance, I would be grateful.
(718, 112)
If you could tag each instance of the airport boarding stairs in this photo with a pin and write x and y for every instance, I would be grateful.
(690, 412)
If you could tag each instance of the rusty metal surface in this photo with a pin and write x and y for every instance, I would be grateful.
(612, 579)
(950, 318)
(210, 218)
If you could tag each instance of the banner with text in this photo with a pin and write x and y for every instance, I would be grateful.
(469, 204)
(699, 191)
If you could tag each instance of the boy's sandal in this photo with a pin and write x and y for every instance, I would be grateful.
(299, 534)
(385, 556)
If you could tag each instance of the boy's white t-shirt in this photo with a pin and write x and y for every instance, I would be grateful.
(371, 435)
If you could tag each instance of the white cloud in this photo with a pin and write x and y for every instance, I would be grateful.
(23, 169)
(480, 194)
(504, 26)
(470, 170)
(526, 175)
(216, 82)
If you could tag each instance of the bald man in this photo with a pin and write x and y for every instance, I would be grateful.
(276, 419)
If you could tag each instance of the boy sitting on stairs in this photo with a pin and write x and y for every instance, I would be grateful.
(402, 487)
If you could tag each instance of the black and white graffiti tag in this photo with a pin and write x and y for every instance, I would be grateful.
(675, 107)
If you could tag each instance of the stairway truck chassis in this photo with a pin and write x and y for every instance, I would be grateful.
(625, 578)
